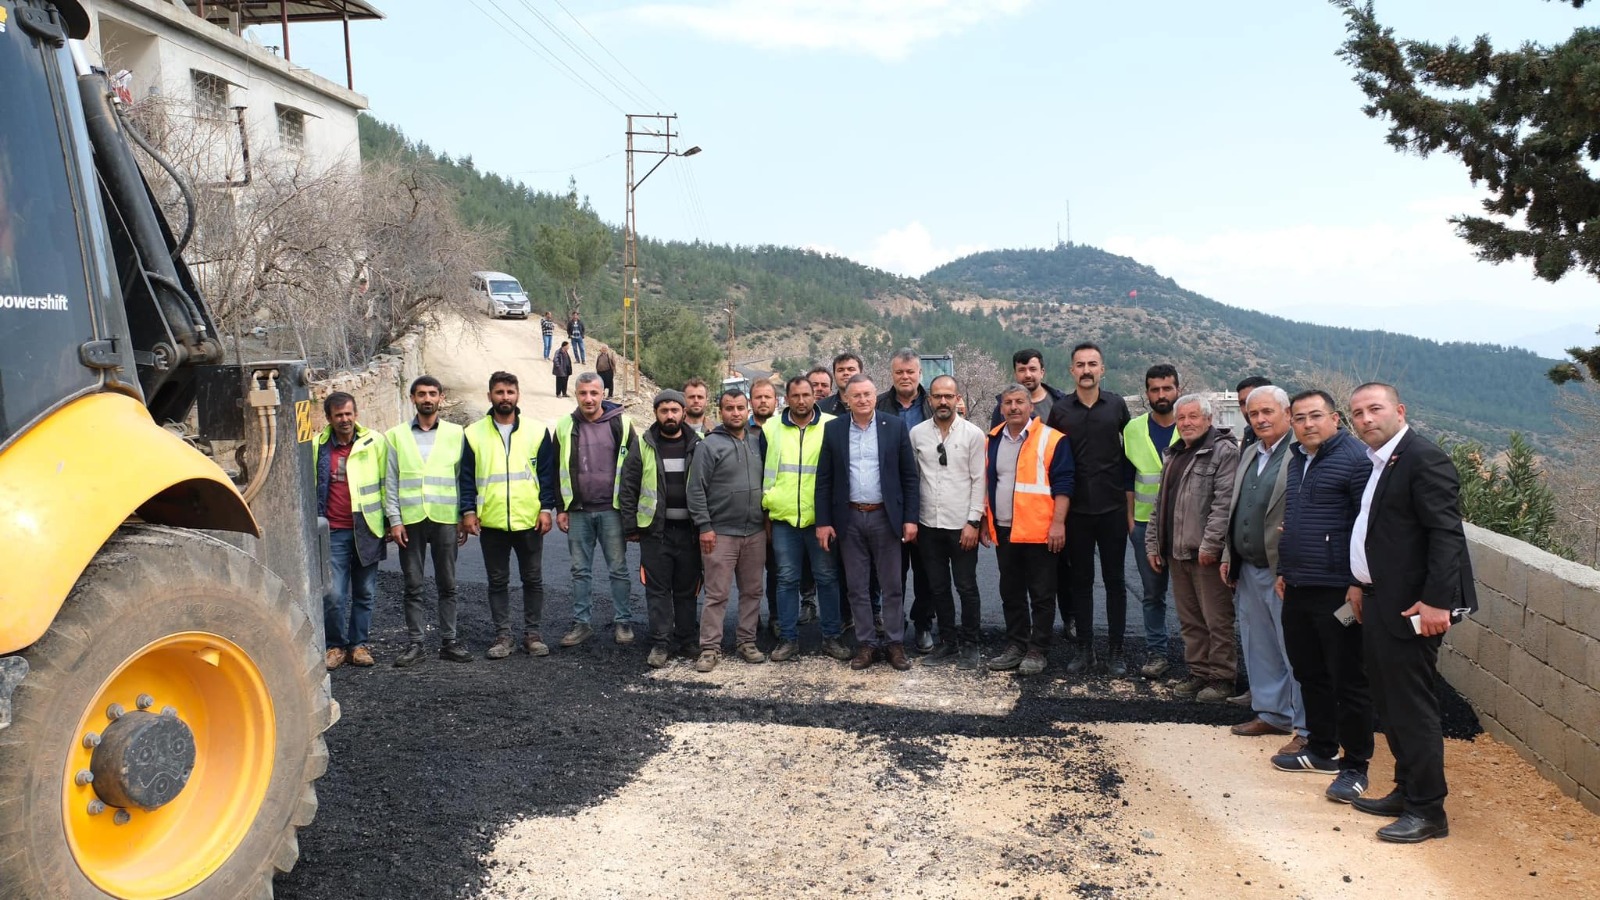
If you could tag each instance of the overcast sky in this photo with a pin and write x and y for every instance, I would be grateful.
(1221, 143)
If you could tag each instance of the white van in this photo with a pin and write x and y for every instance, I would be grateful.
(501, 295)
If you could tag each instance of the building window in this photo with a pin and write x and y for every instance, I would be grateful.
(291, 128)
(210, 95)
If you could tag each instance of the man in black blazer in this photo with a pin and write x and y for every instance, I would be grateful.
(867, 501)
(1409, 552)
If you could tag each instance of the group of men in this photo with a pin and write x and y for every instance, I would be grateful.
(875, 498)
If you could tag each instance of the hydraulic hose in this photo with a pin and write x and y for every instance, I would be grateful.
(189, 206)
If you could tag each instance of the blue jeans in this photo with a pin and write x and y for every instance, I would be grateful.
(547, 345)
(577, 349)
(1155, 594)
(347, 607)
(792, 546)
(584, 529)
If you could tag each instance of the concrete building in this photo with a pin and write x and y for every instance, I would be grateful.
(246, 103)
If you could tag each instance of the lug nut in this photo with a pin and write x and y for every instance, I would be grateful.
(170, 712)
(91, 741)
(96, 806)
(121, 818)
(84, 776)
(145, 701)
(114, 711)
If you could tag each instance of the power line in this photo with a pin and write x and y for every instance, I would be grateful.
(613, 56)
(627, 93)
(592, 162)
(546, 55)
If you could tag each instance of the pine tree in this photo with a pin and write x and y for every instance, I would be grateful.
(1526, 123)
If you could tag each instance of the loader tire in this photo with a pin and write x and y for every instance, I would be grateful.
(176, 623)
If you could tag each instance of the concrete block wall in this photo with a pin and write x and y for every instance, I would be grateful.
(1529, 661)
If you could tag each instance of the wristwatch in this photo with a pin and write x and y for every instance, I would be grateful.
(976, 523)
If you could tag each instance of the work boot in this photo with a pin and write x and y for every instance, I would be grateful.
(1215, 692)
(808, 612)
(455, 651)
(786, 651)
(533, 644)
(334, 659)
(970, 659)
(863, 659)
(1116, 665)
(1187, 688)
(835, 648)
(361, 656)
(580, 632)
(942, 652)
(623, 633)
(1082, 660)
(896, 652)
(410, 656)
(707, 661)
(1155, 667)
(689, 649)
(501, 648)
(658, 657)
(1010, 659)
(750, 653)
(1032, 663)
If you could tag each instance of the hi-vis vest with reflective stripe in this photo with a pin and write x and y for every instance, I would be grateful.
(428, 487)
(564, 443)
(1032, 505)
(789, 479)
(1147, 462)
(363, 471)
(507, 479)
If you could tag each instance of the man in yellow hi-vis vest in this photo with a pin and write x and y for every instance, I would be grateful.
(349, 460)
(421, 502)
(1145, 441)
(507, 489)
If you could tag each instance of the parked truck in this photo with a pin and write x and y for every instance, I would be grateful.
(162, 693)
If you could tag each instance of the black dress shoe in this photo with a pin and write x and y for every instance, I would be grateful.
(1414, 829)
(1392, 804)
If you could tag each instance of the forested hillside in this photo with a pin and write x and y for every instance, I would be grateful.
(998, 302)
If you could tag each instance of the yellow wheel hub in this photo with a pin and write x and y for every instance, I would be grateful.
(215, 689)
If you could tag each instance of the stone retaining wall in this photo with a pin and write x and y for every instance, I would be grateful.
(380, 389)
(1529, 661)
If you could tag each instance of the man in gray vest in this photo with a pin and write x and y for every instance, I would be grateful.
(1250, 564)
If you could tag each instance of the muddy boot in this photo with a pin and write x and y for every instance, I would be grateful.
(658, 657)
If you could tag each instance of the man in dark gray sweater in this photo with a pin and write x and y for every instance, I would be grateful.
(725, 485)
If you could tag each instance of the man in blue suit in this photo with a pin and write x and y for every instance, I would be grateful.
(867, 502)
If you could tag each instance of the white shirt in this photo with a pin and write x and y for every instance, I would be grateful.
(1264, 453)
(952, 494)
(1359, 570)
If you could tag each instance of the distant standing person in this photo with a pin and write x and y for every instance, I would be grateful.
(1093, 421)
(725, 485)
(562, 369)
(575, 334)
(605, 364)
(547, 327)
(1409, 552)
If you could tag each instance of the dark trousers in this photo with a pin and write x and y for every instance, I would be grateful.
(438, 540)
(498, 547)
(561, 385)
(1326, 658)
(1405, 698)
(669, 565)
(914, 583)
(1027, 591)
(605, 380)
(1107, 533)
(944, 560)
(870, 544)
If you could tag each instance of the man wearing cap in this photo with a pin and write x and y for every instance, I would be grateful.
(655, 514)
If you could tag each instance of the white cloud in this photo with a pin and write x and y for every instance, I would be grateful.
(911, 251)
(1409, 272)
(886, 29)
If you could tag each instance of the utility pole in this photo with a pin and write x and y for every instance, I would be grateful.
(656, 135)
(731, 371)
